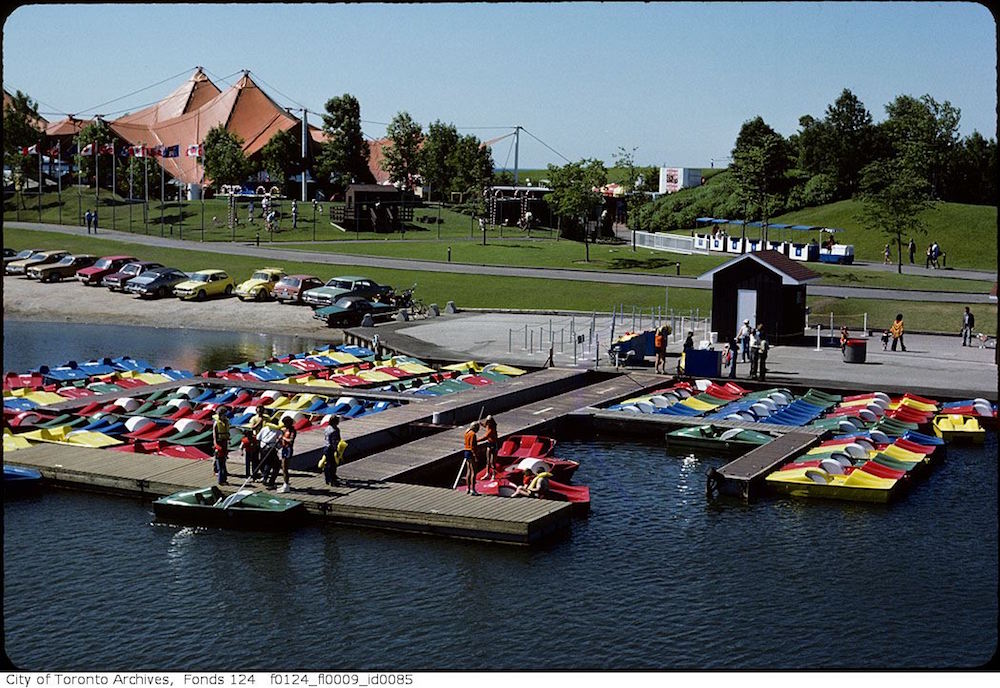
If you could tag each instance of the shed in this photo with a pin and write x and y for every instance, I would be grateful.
(762, 287)
(377, 207)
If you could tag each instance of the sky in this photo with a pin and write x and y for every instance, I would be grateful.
(674, 81)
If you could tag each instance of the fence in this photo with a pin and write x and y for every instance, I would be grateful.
(665, 241)
(856, 322)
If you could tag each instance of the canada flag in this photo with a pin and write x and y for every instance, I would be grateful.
(29, 150)
(106, 149)
(195, 150)
(88, 149)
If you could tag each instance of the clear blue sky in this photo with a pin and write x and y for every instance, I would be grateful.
(674, 80)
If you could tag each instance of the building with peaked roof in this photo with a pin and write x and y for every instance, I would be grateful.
(189, 96)
(764, 287)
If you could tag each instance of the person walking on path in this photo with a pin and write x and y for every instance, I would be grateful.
(95, 220)
(935, 251)
(491, 441)
(887, 255)
(897, 332)
(968, 325)
(912, 248)
(250, 213)
(295, 214)
(469, 458)
(930, 253)
(754, 354)
(220, 442)
(762, 350)
(744, 337)
(288, 434)
(333, 440)
(89, 219)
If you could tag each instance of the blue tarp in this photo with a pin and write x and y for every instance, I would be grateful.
(779, 226)
(804, 228)
(704, 219)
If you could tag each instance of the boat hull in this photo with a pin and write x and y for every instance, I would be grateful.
(282, 515)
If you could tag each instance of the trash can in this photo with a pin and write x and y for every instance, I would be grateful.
(856, 351)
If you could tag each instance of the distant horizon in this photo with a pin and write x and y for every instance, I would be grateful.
(674, 81)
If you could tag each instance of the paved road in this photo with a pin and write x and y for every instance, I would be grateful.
(273, 252)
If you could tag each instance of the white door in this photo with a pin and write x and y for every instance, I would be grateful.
(746, 307)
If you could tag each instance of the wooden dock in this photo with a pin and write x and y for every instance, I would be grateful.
(386, 505)
(743, 476)
(635, 423)
(429, 455)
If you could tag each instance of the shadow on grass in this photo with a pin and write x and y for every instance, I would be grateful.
(624, 263)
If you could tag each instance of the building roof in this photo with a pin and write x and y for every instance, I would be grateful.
(69, 126)
(792, 272)
(190, 95)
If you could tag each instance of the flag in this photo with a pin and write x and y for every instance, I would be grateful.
(106, 149)
(88, 149)
(29, 150)
(195, 150)
(139, 151)
(156, 151)
(125, 151)
(54, 151)
(172, 151)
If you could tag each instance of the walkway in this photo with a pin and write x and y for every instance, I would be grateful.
(270, 253)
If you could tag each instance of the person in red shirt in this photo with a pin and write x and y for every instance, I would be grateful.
(491, 442)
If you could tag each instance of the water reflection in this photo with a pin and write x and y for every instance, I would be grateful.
(28, 344)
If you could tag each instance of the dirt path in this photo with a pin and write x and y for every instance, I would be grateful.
(70, 301)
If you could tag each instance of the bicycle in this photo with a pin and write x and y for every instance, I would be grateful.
(418, 307)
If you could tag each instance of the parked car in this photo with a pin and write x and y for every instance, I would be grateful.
(291, 287)
(116, 281)
(157, 282)
(205, 283)
(105, 266)
(261, 284)
(66, 267)
(19, 255)
(348, 311)
(20, 267)
(343, 286)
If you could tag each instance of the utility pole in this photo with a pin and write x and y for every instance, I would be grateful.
(305, 132)
(517, 142)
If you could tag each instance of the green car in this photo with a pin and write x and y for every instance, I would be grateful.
(343, 286)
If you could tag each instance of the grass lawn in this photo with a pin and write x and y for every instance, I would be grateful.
(485, 291)
(944, 318)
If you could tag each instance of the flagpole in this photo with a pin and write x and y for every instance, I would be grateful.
(59, 174)
(39, 149)
(79, 183)
(163, 183)
(114, 186)
(145, 202)
(131, 195)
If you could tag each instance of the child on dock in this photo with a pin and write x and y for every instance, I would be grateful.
(220, 441)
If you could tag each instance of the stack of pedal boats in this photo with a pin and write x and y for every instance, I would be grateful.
(879, 443)
(177, 422)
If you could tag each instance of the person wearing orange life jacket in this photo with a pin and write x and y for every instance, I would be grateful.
(469, 458)
(660, 347)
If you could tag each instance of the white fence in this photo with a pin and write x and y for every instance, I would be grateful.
(665, 241)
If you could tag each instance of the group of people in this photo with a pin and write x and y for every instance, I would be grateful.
(90, 217)
(932, 255)
(894, 334)
(749, 344)
(535, 483)
(261, 446)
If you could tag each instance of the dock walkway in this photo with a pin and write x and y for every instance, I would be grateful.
(387, 505)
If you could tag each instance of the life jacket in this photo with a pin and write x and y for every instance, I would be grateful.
(338, 457)
(470, 440)
(220, 431)
(658, 340)
(537, 482)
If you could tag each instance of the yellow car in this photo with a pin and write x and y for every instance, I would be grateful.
(260, 286)
(204, 283)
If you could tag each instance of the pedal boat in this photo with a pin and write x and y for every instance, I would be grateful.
(244, 509)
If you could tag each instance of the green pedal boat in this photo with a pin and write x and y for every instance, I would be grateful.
(713, 438)
(209, 506)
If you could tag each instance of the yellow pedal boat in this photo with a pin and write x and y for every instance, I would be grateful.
(954, 428)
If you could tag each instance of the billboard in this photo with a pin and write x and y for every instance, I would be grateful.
(675, 178)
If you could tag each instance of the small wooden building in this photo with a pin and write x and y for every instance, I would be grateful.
(762, 287)
(377, 207)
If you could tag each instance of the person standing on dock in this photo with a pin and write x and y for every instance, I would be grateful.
(333, 440)
(762, 350)
(469, 458)
(660, 347)
(220, 441)
(754, 354)
(491, 441)
(968, 325)
(744, 338)
(288, 434)
(269, 438)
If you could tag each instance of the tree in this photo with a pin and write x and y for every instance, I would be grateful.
(761, 157)
(972, 172)
(21, 129)
(472, 166)
(632, 183)
(281, 157)
(893, 196)
(401, 158)
(849, 142)
(344, 155)
(224, 161)
(923, 134)
(575, 194)
(437, 156)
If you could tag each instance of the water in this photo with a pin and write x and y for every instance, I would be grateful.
(655, 578)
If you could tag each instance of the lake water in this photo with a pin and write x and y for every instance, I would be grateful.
(656, 577)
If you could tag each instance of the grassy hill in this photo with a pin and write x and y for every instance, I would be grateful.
(966, 233)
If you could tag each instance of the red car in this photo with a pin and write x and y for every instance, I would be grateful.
(116, 281)
(290, 288)
(107, 265)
